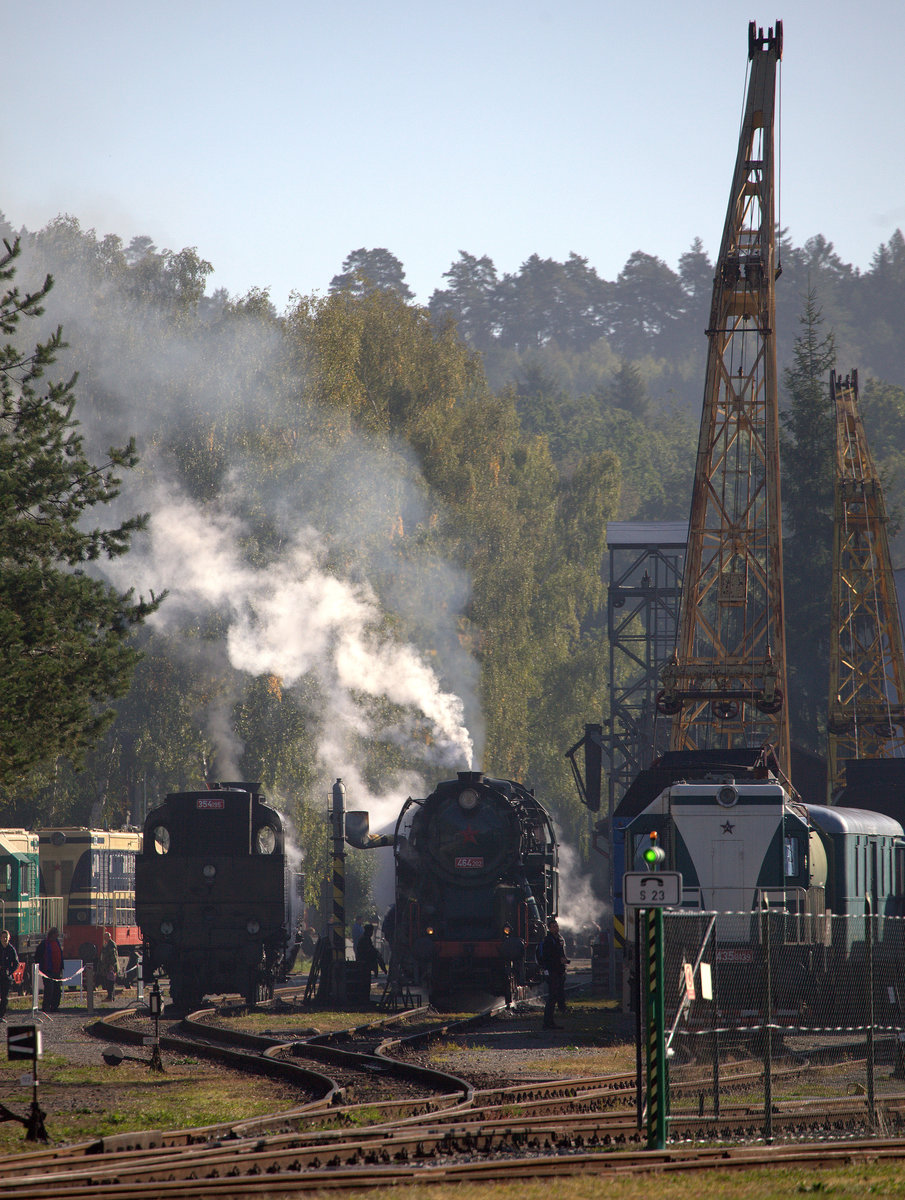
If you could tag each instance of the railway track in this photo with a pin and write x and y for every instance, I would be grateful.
(448, 1131)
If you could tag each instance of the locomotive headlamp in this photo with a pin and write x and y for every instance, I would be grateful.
(429, 931)
(166, 928)
(654, 855)
(209, 871)
(468, 799)
(253, 927)
(506, 930)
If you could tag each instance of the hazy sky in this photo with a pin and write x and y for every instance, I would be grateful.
(278, 136)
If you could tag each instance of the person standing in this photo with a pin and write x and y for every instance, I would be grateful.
(49, 959)
(367, 953)
(109, 964)
(9, 961)
(554, 961)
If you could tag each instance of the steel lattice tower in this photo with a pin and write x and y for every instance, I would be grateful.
(726, 684)
(866, 714)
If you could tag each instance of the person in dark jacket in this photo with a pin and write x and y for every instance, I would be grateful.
(554, 961)
(49, 960)
(9, 961)
(109, 965)
(367, 953)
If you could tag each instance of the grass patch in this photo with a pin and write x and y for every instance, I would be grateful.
(82, 1103)
(263, 1021)
(856, 1182)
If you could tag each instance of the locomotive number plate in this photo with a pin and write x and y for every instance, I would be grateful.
(471, 863)
(209, 802)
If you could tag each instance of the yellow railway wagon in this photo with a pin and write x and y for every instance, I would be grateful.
(94, 871)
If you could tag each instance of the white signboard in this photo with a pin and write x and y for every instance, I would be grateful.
(651, 889)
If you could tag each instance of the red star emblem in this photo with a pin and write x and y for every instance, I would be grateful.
(470, 835)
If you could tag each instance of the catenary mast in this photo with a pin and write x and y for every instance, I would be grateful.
(726, 684)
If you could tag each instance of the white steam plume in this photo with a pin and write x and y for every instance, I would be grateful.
(578, 904)
(293, 618)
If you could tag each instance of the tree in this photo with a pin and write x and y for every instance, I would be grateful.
(648, 303)
(470, 299)
(372, 270)
(64, 634)
(628, 391)
(807, 444)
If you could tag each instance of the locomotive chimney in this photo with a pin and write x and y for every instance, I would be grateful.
(470, 777)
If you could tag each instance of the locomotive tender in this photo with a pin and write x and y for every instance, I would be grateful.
(476, 880)
(212, 893)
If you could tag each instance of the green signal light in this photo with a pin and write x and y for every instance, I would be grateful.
(654, 854)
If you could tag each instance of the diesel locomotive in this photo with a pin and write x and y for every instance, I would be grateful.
(93, 870)
(476, 880)
(213, 893)
(20, 905)
(822, 887)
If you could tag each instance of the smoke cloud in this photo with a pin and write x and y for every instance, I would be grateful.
(294, 618)
(311, 610)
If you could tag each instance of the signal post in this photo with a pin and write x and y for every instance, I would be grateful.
(651, 891)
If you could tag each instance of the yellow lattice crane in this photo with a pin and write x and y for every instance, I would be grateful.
(866, 713)
(726, 684)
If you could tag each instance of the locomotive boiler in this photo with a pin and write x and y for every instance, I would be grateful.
(476, 880)
(212, 893)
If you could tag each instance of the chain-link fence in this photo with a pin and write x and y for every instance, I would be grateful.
(784, 1026)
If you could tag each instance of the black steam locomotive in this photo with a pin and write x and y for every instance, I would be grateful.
(212, 894)
(476, 879)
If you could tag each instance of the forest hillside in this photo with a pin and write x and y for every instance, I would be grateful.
(382, 526)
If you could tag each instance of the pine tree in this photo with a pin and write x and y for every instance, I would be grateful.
(367, 271)
(64, 633)
(808, 467)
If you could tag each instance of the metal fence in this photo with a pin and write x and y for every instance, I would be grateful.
(784, 1026)
(32, 917)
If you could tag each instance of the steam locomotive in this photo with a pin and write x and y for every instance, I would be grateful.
(213, 892)
(476, 879)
